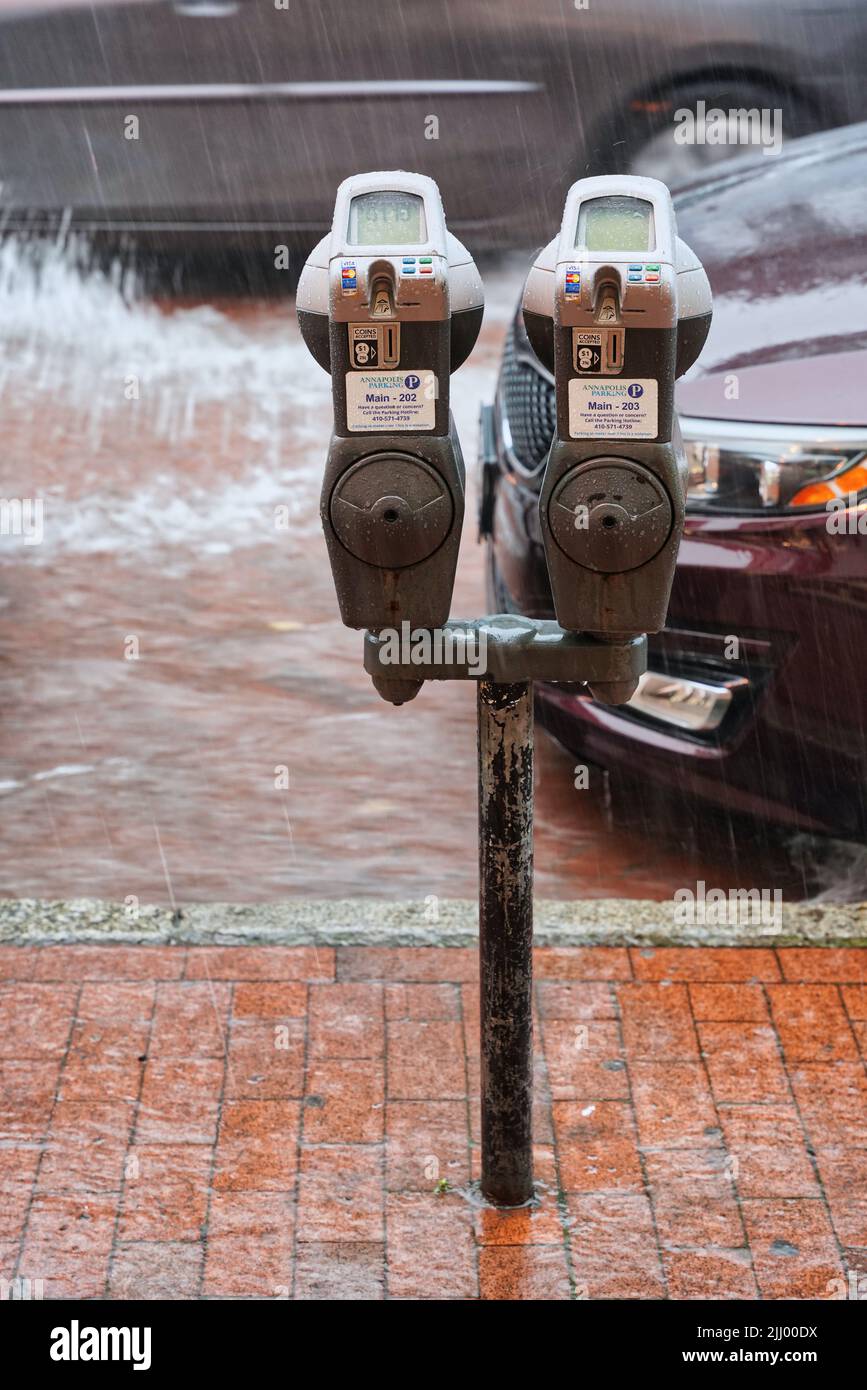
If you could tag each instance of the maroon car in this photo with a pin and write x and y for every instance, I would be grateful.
(756, 693)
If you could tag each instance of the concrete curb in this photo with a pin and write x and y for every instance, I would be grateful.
(366, 922)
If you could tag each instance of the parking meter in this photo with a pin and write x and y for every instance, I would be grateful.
(617, 307)
(390, 303)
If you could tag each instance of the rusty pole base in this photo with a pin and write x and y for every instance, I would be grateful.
(506, 939)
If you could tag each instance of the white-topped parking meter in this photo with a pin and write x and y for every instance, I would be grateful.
(617, 307)
(390, 303)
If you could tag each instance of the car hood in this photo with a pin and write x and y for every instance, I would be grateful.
(783, 240)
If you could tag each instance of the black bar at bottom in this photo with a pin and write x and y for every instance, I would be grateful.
(506, 938)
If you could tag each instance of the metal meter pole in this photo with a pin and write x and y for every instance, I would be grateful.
(506, 938)
(518, 651)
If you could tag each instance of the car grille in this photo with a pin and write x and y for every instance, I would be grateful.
(528, 401)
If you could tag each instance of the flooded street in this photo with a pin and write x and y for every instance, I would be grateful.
(184, 717)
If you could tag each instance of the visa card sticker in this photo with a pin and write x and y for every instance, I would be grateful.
(613, 409)
(348, 277)
(573, 280)
(391, 400)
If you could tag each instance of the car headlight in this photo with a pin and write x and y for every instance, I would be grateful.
(767, 469)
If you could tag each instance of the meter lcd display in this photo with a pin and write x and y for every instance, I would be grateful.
(615, 224)
(387, 218)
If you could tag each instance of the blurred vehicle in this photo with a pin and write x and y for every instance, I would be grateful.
(178, 118)
(756, 697)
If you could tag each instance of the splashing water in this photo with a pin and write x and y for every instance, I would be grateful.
(141, 396)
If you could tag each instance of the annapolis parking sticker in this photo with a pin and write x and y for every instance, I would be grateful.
(613, 409)
(391, 400)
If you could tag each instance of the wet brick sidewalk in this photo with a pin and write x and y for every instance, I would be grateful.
(276, 1122)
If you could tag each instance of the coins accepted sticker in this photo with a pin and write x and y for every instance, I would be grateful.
(613, 409)
(391, 400)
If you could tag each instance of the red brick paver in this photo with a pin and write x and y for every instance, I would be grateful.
(279, 1122)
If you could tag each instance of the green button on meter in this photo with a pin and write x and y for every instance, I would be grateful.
(425, 260)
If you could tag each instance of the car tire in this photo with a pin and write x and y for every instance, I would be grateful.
(492, 587)
(648, 145)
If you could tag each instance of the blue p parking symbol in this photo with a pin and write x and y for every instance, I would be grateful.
(412, 382)
(635, 389)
